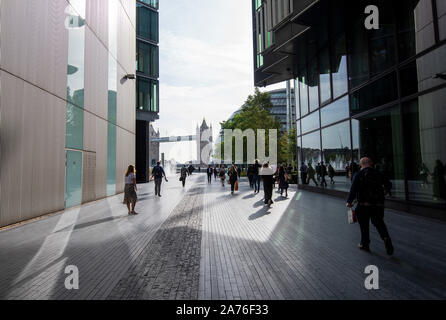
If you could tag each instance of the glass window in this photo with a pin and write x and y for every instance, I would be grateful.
(405, 23)
(111, 159)
(152, 3)
(311, 148)
(409, 77)
(311, 122)
(378, 93)
(441, 12)
(424, 25)
(382, 41)
(339, 68)
(337, 154)
(74, 127)
(337, 111)
(303, 95)
(147, 93)
(424, 126)
(147, 59)
(147, 23)
(313, 85)
(359, 53)
(378, 136)
(324, 75)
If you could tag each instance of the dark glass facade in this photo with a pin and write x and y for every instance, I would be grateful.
(147, 83)
(363, 92)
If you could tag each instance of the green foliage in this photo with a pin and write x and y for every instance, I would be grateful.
(255, 114)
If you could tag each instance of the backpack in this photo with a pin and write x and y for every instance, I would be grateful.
(371, 188)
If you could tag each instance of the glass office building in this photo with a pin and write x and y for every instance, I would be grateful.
(147, 83)
(378, 93)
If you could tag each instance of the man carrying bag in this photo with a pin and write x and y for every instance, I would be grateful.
(369, 188)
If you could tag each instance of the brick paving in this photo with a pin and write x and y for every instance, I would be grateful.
(203, 243)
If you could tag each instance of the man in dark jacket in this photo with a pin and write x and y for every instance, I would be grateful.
(209, 172)
(369, 188)
(158, 174)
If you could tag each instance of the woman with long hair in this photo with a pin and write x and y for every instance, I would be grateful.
(130, 196)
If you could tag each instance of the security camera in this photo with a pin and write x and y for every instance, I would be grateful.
(130, 76)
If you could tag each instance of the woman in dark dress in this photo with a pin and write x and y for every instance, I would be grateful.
(233, 178)
(283, 180)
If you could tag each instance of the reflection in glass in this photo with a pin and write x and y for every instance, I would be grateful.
(359, 54)
(311, 122)
(311, 148)
(337, 111)
(73, 181)
(303, 95)
(336, 145)
(74, 127)
(324, 75)
(148, 93)
(147, 59)
(337, 155)
(382, 40)
(147, 25)
(339, 68)
(376, 94)
(313, 85)
(426, 147)
(111, 159)
(380, 138)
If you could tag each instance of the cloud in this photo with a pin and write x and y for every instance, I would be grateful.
(206, 65)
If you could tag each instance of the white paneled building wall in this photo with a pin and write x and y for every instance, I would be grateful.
(34, 71)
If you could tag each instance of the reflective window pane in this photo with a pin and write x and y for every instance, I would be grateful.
(303, 90)
(425, 123)
(380, 138)
(324, 75)
(337, 111)
(311, 122)
(74, 127)
(152, 3)
(339, 68)
(147, 59)
(147, 95)
(311, 148)
(147, 23)
(378, 93)
(337, 154)
(313, 85)
(359, 52)
(441, 12)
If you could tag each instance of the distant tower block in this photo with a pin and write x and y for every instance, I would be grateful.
(204, 132)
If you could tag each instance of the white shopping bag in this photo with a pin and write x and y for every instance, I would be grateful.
(351, 216)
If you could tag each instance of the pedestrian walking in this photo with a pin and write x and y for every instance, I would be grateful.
(250, 174)
(215, 173)
(222, 175)
(318, 171)
(183, 175)
(311, 174)
(369, 188)
(323, 172)
(233, 178)
(267, 174)
(158, 174)
(331, 173)
(130, 189)
(210, 172)
(256, 176)
(283, 180)
(304, 172)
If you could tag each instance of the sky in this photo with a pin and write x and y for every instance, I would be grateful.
(206, 67)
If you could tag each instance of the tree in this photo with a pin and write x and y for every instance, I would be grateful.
(255, 114)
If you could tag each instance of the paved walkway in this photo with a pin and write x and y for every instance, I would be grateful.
(203, 243)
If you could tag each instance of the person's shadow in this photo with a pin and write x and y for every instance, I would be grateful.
(259, 214)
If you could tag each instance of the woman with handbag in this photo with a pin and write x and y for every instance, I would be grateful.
(130, 189)
(233, 178)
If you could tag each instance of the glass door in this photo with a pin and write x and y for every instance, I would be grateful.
(73, 188)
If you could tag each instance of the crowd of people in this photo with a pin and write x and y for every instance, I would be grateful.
(317, 175)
